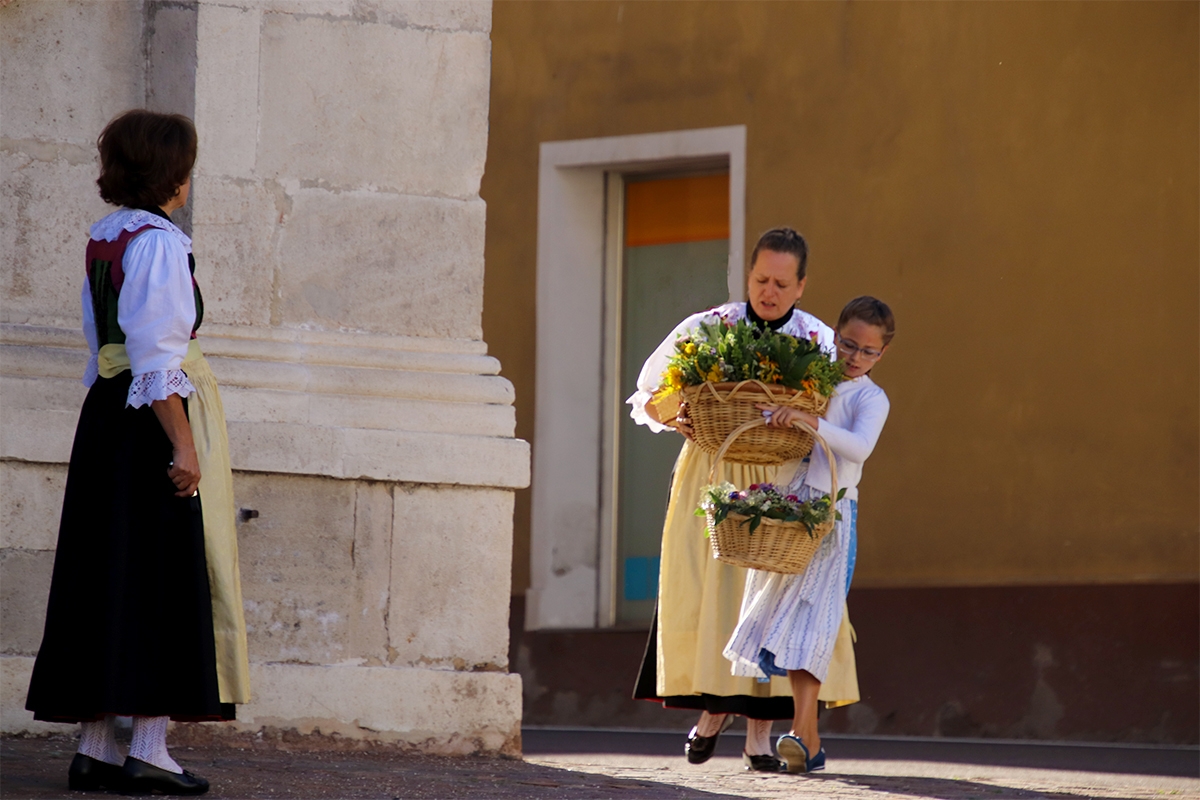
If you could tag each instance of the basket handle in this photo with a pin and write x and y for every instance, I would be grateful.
(760, 422)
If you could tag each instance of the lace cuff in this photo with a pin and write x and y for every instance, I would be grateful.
(158, 385)
(92, 371)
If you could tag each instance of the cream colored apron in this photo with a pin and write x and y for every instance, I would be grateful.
(206, 416)
(700, 598)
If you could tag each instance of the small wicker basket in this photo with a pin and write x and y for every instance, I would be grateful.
(775, 546)
(716, 409)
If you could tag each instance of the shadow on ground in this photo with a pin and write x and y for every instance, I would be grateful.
(942, 788)
(37, 768)
(1181, 762)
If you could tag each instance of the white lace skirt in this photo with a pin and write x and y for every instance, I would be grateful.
(791, 621)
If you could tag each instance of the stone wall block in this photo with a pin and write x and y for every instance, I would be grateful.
(329, 8)
(371, 558)
(234, 227)
(451, 15)
(297, 565)
(451, 559)
(386, 263)
(46, 209)
(24, 587)
(227, 89)
(66, 69)
(171, 57)
(351, 104)
(434, 711)
(32, 501)
(14, 684)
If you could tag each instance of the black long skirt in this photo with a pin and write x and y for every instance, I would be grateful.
(744, 705)
(129, 621)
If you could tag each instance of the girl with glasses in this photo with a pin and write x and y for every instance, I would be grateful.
(789, 623)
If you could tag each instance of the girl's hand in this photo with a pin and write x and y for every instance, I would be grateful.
(786, 416)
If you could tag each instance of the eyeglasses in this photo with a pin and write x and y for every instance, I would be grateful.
(850, 348)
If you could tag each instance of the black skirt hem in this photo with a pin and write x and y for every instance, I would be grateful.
(742, 705)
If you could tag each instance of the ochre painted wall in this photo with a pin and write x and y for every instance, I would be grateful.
(1018, 180)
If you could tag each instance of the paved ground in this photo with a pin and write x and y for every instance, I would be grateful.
(580, 765)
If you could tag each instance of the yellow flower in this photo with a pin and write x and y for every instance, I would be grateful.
(689, 349)
(715, 375)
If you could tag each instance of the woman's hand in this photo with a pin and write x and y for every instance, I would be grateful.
(184, 469)
(184, 472)
(786, 416)
(683, 422)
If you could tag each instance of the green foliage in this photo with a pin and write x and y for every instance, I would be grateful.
(721, 350)
(765, 501)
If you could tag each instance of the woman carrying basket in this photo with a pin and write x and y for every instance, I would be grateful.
(789, 624)
(699, 597)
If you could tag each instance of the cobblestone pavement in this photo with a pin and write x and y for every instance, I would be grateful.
(558, 765)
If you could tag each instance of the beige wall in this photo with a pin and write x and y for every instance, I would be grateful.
(1018, 180)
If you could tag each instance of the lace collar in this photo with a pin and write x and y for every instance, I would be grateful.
(130, 219)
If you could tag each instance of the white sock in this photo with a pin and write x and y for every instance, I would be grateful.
(758, 737)
(98, 740)
(150, 743)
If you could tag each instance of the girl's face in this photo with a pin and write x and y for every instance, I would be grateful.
(860, 346)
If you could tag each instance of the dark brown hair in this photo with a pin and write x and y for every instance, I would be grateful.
(871, 311)
(145, 157)
(784, 240)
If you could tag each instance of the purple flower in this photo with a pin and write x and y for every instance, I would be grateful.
(733, 495)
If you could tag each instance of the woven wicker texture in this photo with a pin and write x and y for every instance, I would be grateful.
(774, 546)
(716, 409)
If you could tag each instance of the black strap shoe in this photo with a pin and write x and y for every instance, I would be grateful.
(143, 778)
(87, 774)
(765, 763)
(699, 749)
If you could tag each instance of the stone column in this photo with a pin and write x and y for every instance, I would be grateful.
(338, 235)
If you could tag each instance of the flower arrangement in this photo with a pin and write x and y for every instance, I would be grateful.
(721, 351)
(764, 501)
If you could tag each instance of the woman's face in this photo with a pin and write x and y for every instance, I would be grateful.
(773, 287)
(860, 346)
(181, 196)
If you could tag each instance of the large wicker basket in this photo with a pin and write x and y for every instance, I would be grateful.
(716, 409)
(775, 546)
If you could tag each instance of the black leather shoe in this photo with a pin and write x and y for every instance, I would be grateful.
(699, 749)
(87, 774)
(761, 763)
(143, 778)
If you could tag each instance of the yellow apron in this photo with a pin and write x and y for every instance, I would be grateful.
(206, 416)
(699, 599)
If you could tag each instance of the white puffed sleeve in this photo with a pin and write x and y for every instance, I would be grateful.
(156, 310)
(650, 378)
(92, 370)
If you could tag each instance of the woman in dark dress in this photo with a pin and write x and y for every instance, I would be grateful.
(129, 625)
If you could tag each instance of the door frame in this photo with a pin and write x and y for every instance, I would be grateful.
(572, 540)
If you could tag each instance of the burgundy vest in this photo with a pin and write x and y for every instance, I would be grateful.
(106, 275)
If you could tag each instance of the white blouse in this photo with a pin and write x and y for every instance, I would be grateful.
(801, 325)
(156, 308)
(851, 426)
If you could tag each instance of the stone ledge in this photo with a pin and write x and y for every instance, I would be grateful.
(45, 435)
(301, 402)
(443, 712)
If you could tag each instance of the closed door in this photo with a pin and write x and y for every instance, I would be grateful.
(674, 263)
